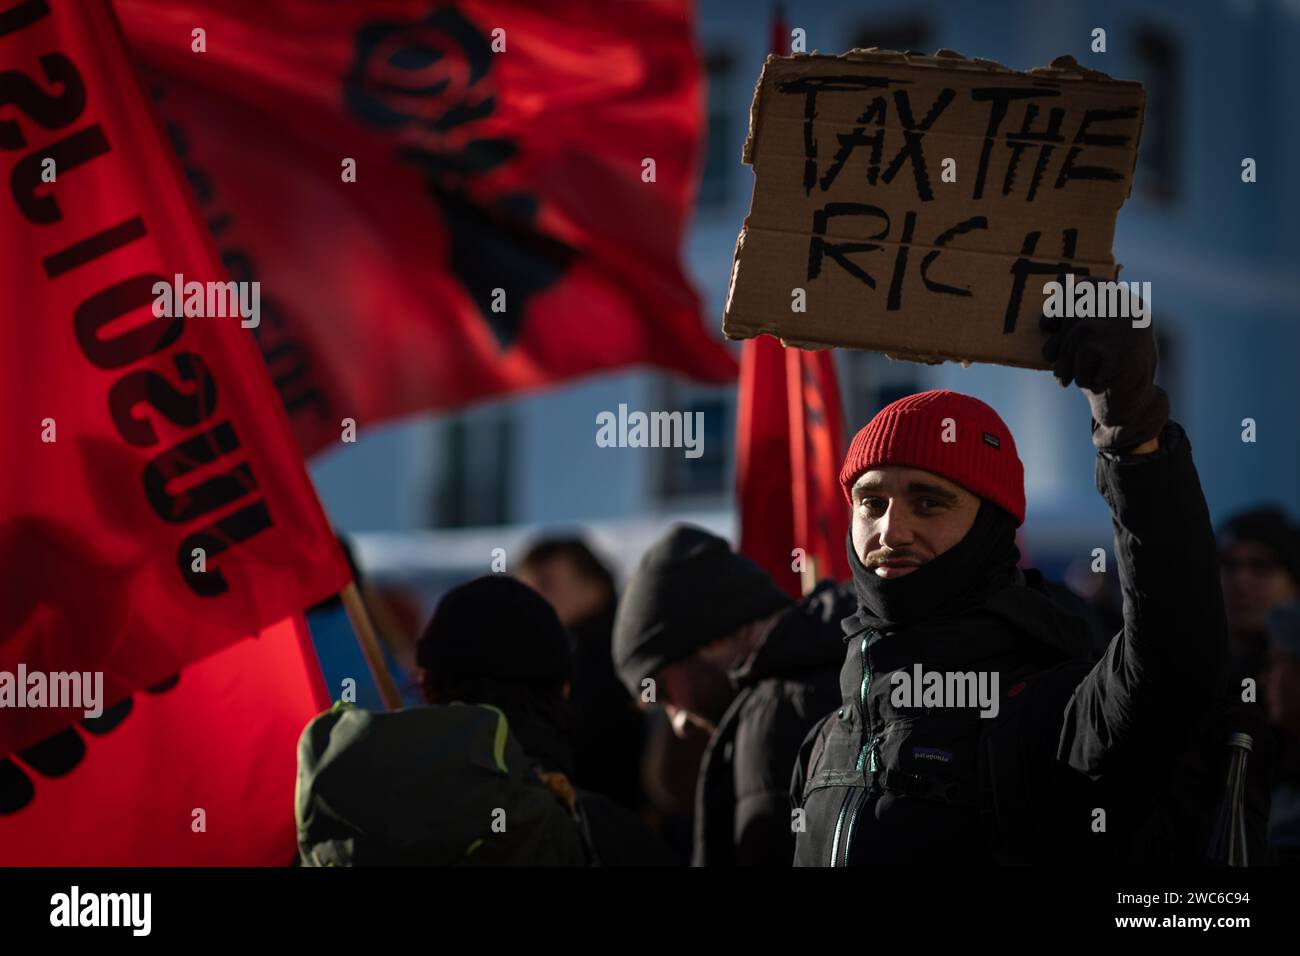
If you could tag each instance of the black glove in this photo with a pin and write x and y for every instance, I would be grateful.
(1114, 364)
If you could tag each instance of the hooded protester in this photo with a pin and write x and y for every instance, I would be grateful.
(972, 728)
(707, 634)
(496, 641)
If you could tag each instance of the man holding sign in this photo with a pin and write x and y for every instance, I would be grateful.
(971, 731)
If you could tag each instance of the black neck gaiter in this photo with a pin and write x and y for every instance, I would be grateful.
(983, 562)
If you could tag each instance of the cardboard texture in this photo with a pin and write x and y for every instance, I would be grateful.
(850, 204)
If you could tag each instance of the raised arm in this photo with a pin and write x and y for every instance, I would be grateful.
(1134, 713)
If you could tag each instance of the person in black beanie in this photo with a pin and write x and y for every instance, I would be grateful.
(497, 641)
(707, 634)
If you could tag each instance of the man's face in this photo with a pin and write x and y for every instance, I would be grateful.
(573, 596)
(1281, 686)
(1253, 582)
(904, 517)
(695, 692)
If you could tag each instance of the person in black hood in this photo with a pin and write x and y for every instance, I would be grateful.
(973, 728)
(707, 634)
(497, 641)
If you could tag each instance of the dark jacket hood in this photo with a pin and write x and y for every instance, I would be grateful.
(805, 638)
(543, 742)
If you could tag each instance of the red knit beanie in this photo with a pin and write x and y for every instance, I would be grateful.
(980, 455)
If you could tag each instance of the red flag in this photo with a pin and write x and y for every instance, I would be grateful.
(153, 508)
(126, 790)
(790, 444)
(500, 233)
(821, 517)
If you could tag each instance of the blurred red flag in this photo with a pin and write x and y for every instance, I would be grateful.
(790, 445)
(153, 507)
(124, 790)
(500, 233)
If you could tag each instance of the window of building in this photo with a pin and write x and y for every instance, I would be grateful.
(904, 34)
(709, 476)
(1159, 66)
(868, 382)
(722, 152)
(474, 467)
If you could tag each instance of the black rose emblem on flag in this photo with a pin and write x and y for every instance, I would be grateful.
(430, 83)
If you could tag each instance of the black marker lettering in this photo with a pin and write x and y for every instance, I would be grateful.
(1024, 267)
(1084, 138)
(849, 141)
(895, 300)
(913, 134)
(839, 251)
(945, 237)
(810, 86)
(1001, 98)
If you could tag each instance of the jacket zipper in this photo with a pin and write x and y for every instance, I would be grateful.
(866, 761)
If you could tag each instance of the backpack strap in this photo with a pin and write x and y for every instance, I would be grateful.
(834, 778)
(954, 793)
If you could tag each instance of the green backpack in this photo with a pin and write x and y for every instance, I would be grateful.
(427, 786)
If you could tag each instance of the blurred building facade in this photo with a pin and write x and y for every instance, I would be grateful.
(433, 495)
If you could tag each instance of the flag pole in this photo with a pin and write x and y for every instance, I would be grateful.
(365, 631)
(808, 579)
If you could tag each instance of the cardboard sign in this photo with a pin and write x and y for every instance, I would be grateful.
(916, 205)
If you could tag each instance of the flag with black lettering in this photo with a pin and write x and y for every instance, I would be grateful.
(198, 770)
(443, 201)
(153, 505)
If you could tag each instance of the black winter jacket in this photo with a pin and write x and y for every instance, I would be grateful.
(742, 804)
(911, 785)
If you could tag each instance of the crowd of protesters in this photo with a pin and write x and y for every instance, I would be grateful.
(703, 716)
